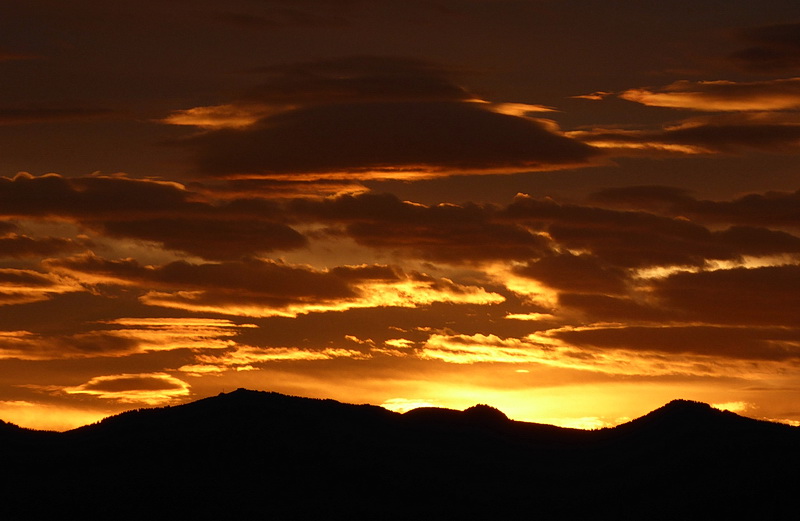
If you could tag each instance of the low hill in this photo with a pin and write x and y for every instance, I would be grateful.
(259, 455)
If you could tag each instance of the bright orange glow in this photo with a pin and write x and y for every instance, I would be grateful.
(407, 293)
(219, 116)
(721, 95)
(402, 405)
(144, 388)
(48, 417)
(243, 357)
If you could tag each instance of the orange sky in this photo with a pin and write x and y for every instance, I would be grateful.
(573, 211)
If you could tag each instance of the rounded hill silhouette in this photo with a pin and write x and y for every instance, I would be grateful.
(252, 455)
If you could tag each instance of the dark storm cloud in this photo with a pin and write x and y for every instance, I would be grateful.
(235, 281)
(162, 212)
(741, 296)
(576, 273)
(91, 197)
(366, 117)
(640, 239)
(770, 209)
(605, 308)
(774, 49)
(265, 288)
(743, 343)
(533, 230)
(209, 238)
(385, 138)
(716, 134)
(445, 233)
(18, 246)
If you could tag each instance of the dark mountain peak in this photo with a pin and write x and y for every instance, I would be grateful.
(696, 420)
(687, 414)
(485, 414)
(687, 408)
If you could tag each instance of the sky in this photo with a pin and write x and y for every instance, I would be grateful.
(574, 211)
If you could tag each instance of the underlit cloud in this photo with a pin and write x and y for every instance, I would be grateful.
(767, 344)
(771, 209)
(263, 288)
(18, 246)
(639, 239)
(19, 286)
(164, 213)
(548, 349)
(702, 135)
(145, 388)
(122, 337)
(721, 95)
(449, 233)
(249, 358)
(405, 119)
(387, 141)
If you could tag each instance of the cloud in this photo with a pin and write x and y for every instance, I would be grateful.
(739, 296)
(728, 342)
(209, 238)
(146, 388)
(248, 358)
(20, 286)
(639, 239)
(576, 273)
(714, 134)
(262, 288)
(567, 349)
(404, 119)
(122, 337)
(449, 233)
(386, 141)
(18, 246)
(770, 209)
(774, 49)
(94, 197)
(276, 188)
(144, 209)
(721, 95)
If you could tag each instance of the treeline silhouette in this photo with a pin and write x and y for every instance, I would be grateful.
(258, 455)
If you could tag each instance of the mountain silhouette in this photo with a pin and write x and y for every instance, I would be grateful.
(260, 455)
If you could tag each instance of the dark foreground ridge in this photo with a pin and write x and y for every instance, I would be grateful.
(259, 455)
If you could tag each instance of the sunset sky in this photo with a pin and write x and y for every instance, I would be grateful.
(572, 210)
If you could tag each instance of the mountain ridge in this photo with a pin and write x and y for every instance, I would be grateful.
(671, 411)
(250, 454)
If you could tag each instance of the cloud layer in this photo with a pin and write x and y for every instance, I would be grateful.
(369, 117)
